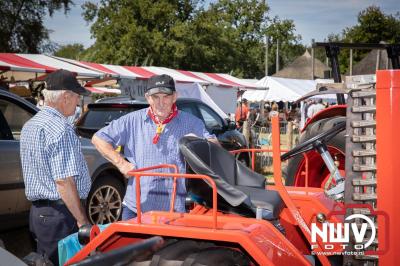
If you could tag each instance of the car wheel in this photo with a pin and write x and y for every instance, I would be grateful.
(104, 203)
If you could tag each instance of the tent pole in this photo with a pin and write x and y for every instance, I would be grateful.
(266, 55)
(277, 56)
(312, 60)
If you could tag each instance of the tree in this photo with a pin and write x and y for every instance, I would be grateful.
(134, 32)
(22, 28)
(226, 36)
(289, 43)
(72, 51)
(373, 26)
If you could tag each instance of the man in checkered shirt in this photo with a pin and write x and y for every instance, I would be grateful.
(55, 173)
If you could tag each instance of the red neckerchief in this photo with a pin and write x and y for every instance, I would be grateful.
(161, 125)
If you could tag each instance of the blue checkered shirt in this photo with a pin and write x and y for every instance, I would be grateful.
(51, 150)
(135, 132)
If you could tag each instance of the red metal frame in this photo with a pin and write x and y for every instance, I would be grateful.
(388, 144)
(140, 174)
(276, 146)
(259, 238)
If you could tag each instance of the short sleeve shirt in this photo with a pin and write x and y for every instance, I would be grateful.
(51, 150)
(135, 132)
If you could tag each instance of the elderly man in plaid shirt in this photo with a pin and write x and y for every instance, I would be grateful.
(150, 137)
(55, 173)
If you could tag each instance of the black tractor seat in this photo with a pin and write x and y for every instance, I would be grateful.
(240, 190)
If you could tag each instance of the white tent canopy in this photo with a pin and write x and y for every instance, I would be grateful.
(224, 97)
(283, 89)
(194, 90)
(254, 95)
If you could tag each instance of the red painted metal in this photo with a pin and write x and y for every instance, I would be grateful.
(331, 111)
(162, 166)
(276, 145)
(138, 175)
(314, 177)
(264, 243)
(388, 159)
(259, 238)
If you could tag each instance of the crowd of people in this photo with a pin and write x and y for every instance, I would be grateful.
(298, 114)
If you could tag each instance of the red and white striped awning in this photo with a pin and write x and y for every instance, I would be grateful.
(21, 67)
(102, 90)
(134, 72)
(32, 66)
(223, 80)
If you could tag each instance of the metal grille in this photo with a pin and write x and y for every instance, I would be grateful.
(360, 181)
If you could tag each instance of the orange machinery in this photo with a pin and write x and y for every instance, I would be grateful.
(259, 240)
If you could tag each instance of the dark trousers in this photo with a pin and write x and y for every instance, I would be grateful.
(50, 223)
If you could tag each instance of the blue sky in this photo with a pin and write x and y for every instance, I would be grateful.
(313, 18)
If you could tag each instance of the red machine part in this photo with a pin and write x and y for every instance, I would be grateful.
(331, 111)
(388, 143)
(259, 239)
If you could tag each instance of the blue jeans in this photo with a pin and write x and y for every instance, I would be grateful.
(127, 213)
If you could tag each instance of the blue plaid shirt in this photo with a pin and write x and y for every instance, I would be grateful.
(51, 150)
(135, 132)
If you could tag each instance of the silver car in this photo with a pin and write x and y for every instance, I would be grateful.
(106, 193)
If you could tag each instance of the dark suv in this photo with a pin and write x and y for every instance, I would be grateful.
(108, 187)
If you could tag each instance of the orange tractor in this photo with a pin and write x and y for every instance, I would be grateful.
(235, 219)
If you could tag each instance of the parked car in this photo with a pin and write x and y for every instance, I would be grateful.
(108, 189)
(14, 208)
(108, 180)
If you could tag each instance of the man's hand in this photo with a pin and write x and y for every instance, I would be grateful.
(69, 194)
(108, 152)
(124, 167)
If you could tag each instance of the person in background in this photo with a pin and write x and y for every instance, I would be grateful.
(150, 137)
(274, 111)
(315, 108)
(242, 112)
(254, 117)
(55, 173)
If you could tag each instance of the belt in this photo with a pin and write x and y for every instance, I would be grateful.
(50, 203)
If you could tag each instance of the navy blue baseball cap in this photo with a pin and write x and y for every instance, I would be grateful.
(160, 84)
(65, 80)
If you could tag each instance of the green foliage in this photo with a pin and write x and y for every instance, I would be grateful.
(373, 26)
(22, 28)
(71, 51)
(227, 36)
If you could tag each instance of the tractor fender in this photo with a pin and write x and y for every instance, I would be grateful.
(331, 111)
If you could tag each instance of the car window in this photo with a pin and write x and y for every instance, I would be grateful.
(210, 118)
(98, 118)
(189, 109)
(14, 116)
